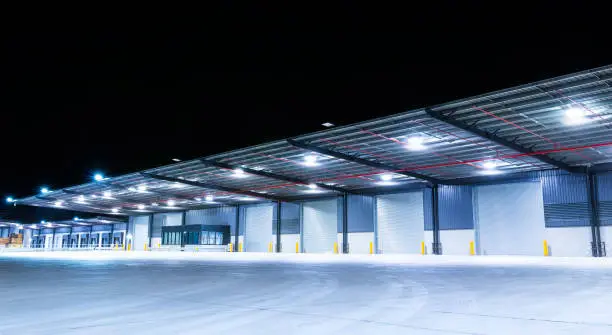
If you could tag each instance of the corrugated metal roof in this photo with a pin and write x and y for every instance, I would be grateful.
(531, 117)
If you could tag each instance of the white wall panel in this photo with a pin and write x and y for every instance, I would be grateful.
(320, 223)
(288, 243)
(510, 219)
(400, 222)
(172, 219)
(359, 243)
(428, 242)
(258, 228)
(456, 242)
(568, 241)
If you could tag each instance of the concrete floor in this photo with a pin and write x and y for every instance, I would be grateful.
(184, 293)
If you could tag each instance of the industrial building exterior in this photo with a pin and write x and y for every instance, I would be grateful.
(523, 171)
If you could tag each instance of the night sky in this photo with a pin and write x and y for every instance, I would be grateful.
(122, 102)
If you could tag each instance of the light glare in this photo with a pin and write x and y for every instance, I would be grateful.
(141, 206)
(209, 198)
(386, 177)
(171, 203)
(115, 210)
(575, 116)
(44, 190)
(310, 160)
(98, 177)
(415, 143)
(489, 165)
(9, 199)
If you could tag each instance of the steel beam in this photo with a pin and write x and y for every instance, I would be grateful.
(278, 226)
(183, 223)
(211, 186)
(151, 218)
(271, 175)
(345, 245)
(436, 245)
(358, 160)
(237, 230)
(597, 248)
(501, 141)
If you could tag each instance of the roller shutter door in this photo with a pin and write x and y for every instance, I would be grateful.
(258, 228)
(320, 220)
(510, 219)
(400, 222)
(141, 232)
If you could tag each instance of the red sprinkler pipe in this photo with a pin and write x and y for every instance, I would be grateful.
(555, 144)
(535, 153)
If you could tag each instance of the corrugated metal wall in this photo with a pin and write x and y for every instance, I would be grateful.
(120, 226)
(455, 207)
(80, 229)
(428, 209)
(105, 227)
(225, 215)
(360, 214)
(565, 199)
(604, 195)
(290, 218)
(63, 230)
(158, 222)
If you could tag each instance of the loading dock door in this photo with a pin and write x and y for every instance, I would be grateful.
(320, 221)
(141, 232)
(400, 222)
(258, 228)
(510, 219)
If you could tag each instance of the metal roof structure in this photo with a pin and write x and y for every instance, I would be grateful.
(560, 123)
(89, 221)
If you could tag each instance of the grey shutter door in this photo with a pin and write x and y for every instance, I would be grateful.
(141, 232)
(400, 222)
(258, 228)
(510, 219)
(320, 222)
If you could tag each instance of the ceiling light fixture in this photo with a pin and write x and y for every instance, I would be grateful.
(415, 143)
(115, 210)
(239, 173)
(575, 116)
(171, 203)
(59, 203)
(489, 165)
(44, 190)
(386, 177)
(141, 206)
(107, 194)
(142, 188)
(9, 199)
(209, 198)
(311, 160)
(98, 177)
(81, 198)
(327, 124)
(312, 186)
(197, 199)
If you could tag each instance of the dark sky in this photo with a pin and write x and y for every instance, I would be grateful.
(121, 102)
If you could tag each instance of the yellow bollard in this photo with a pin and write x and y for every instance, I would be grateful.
(297, 247)
(158, 245)
(129, 247)
(472, 249)
(145, 247)
(240, 247)
(231, 247)
(422, 248)
(371, 247)
(335, 247)
(545, 248)
(270, 247)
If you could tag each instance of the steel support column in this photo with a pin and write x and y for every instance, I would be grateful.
(112, 236)
(151, 218)
(183, 223)
(345, 244)
(53, 239)
(39, 235)
(436, 245)
(70, 238)
(237, 229)
(90, 233)
(278, 226)
(597, 248)
(125, 237)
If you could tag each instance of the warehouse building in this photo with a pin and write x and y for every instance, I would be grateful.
(522, 171)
